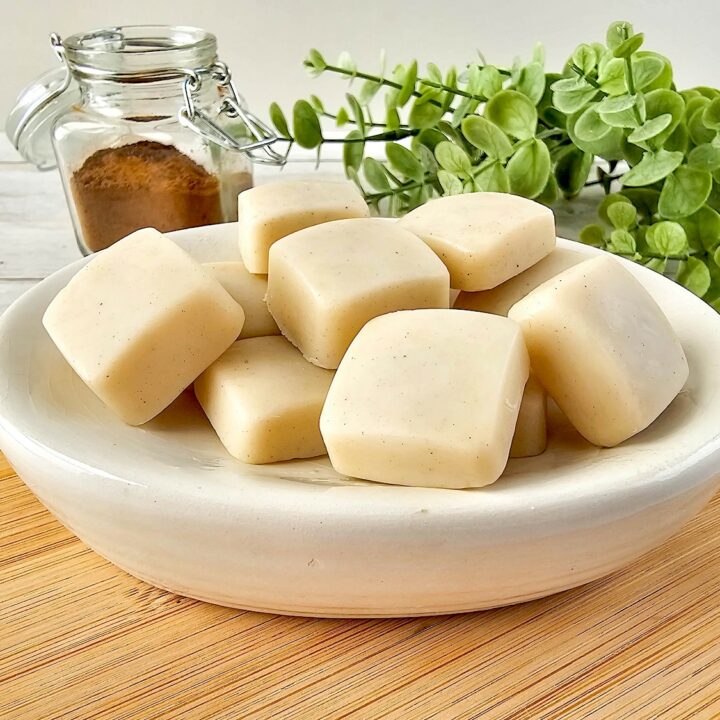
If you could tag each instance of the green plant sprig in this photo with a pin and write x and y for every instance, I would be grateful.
(540, 135)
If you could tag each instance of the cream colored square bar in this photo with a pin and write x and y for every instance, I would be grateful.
(499, 300)
(603, 349)
(484, 238)
(140, 322)
(327, 281)
(249, 292)
(427, 397)
(530, 436)
(264, 401)
(269, 212)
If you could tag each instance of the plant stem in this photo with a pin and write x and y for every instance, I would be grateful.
(388, 136)
(603, 180)
(375, 197)
(350, 120)
(391, 83)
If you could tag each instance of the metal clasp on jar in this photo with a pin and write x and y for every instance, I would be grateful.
(233, 106)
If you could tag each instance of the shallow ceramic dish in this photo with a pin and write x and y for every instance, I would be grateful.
(169, 505)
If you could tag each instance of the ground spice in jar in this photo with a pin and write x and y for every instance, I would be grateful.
(144, 184)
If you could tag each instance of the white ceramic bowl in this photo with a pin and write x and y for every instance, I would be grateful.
(169, 505)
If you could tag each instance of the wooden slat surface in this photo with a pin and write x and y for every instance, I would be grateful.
(81, 639)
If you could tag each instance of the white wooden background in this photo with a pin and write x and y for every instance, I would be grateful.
(36, 237)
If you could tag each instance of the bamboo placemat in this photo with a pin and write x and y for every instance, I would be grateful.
(81, 639)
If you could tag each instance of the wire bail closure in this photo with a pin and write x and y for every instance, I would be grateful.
(190, 115)
(234, 107)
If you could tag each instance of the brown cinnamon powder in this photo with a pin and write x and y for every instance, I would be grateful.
(143, 184)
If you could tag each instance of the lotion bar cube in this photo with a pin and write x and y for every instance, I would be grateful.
(249, 292)
(499, 300)
(484, 238)
(427, 397)
(530, 436)
(140, 322)
(327, 281)
(603, 349)
(269, 212)
(264, 401)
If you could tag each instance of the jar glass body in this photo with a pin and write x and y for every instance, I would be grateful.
(125, 159)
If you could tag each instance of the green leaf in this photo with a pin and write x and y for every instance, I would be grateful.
(434, 73)
(622, 242)
(694, 275)
(392, 119)
(424, 114)
(451, 184)
(627, 47)
(667, 238)
(315, 62)
(585, 58)
(531, 82)
(660, 102)
(618, 103)
(716, 257)
(659, 265)
(650, 129)
(663, 80)
(684, 192)
(572, 168)
(452, 158)
(705, 157)
(353, 152)
(703, 229)
(342, 117)
(694, 103)
(493, 178)
(622, 215)
(612, 77)
(512, 112)
(317, 104)
(487, 136)
(617, 33)
(490, 81)
(607, 202)
(572, 94)
(368, 90)
(699, 133)
(678, 139)
(451, 82)
(609, 146)
(529, 168)
(592, 235)
(306, 125)
(654, 166)
(550, 192)
(646, 70)
(711, 115)
(346, 62)
(357, 112)
(408, 84)
(429, 137)
(590, 126)
(403, 162)
(375, 174)
(277, 117)
(645, 201)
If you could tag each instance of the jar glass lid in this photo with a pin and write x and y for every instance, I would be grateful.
(29, 123)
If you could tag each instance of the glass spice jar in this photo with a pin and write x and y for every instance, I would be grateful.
(147, 130)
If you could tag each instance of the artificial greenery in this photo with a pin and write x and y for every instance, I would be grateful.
(614, 113)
